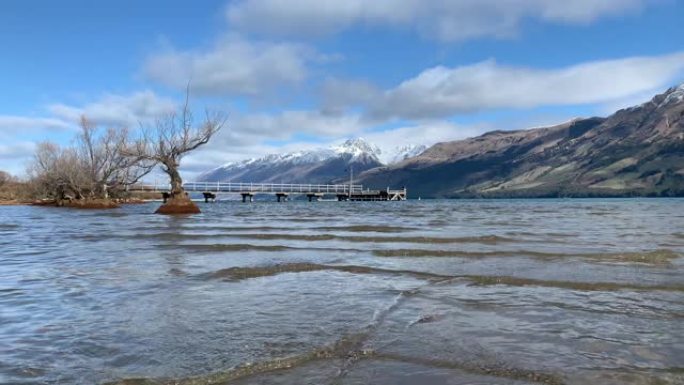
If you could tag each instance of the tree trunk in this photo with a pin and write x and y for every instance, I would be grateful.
(176, 182)
(178, 202)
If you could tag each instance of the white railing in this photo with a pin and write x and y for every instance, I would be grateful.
(240, 187)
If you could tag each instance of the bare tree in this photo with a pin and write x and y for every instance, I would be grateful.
(103, 154)
(173, 136)
(59, 172)
(4, 178)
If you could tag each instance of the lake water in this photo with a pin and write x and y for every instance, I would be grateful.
(418, 292)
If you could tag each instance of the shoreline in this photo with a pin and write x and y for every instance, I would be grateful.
(49, 203)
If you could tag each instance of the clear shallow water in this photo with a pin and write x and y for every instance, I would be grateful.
(429, 292)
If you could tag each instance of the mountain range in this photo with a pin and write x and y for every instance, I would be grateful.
(321, 165)
(637, 151)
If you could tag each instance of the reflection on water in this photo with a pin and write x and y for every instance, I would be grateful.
(429, 292)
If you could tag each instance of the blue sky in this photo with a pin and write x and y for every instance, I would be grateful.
(305, 73)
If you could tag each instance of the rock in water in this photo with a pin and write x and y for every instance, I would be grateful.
(178, 205)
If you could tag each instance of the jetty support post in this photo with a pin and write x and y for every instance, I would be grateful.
(314, 196)
(209, 195)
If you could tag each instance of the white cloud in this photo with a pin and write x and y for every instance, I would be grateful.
(15, 155)
(453, 20)
(15, 124)
(288, 123)
(118, 110)
(232, 66)
(422, 133)
(441, 91)
(254, 135)
(15, 150)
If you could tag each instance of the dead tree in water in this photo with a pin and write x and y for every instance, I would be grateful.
(91, 168)
(172, 137)
(57, 172)
(105, 161)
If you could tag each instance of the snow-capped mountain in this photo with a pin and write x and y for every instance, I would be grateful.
(402, 153)
(314, 166)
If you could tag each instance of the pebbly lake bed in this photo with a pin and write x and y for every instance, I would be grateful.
(556, 291)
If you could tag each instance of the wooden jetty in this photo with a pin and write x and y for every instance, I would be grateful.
(282, 191)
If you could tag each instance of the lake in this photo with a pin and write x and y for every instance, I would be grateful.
(417, 292)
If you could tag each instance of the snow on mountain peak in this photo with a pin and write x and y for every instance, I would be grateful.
(357, 147)
(674, 94)
(401, 153)
(355, 150)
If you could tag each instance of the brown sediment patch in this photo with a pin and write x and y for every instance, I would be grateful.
(44, 202)
(367, 228)
(427, 318)
(662, 257)
(571, 285)
(351, 349)
(178, 206)
(133, 201)
(242, 273)
(221, 247)
(655, 257)
(458, 254)
(86, 204)
(90, 204)
(14, 202)
(488, 239)
(501, 370)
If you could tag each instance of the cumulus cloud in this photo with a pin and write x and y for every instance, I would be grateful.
(454, 20)
(233, 66)
(443, 91)
(117, 110)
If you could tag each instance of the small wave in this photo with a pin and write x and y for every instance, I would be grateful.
(346, 348)
(571, 285)
(220, 247)
(501, 370)
(350, 348)
(367, 229)
(453, 253)
(241, 273)
(656, 257)
(488, 239)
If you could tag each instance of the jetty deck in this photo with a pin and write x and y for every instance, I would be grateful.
(282, 191)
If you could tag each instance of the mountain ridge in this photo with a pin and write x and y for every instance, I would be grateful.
(636, 151)
(321, 165)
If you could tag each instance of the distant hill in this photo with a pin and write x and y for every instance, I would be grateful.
(638, 151)
(315, 166)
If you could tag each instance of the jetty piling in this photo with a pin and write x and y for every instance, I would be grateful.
(282, 191)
